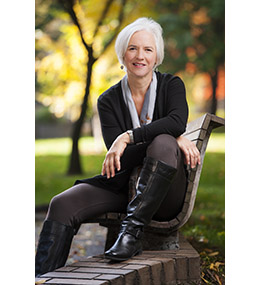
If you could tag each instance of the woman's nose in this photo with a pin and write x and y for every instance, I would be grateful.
(140, 54)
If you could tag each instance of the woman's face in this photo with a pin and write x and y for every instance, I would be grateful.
(140, 56)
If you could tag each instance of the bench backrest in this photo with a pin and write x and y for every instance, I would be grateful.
(199, 132)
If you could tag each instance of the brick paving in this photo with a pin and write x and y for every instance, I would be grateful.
(86, 264)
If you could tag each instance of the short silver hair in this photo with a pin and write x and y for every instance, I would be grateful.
(140, 24)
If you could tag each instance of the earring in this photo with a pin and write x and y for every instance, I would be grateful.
(155, 68)
(122, 67)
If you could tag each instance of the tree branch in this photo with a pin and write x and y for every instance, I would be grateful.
(103, 15)
(68, 6)
(120, 19)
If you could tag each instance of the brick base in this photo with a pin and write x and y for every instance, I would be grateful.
(151, 267)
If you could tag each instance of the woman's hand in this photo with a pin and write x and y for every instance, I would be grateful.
(112, 159)
(191, 153)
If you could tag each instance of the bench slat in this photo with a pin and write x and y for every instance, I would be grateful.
(201, 122)
(199, 134)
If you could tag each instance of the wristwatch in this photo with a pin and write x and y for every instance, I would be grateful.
(131, 136)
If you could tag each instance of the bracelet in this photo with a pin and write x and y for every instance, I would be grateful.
(131, 136)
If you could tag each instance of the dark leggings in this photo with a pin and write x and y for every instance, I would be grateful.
(84, 201)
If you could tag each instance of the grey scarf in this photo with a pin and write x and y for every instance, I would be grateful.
(148, 106)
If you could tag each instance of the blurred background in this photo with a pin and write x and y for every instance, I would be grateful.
(76, 62)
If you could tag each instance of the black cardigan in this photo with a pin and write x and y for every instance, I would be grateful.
(170, 117)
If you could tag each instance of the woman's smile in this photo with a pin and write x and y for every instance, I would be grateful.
(138, 64)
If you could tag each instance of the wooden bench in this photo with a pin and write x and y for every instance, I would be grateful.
(164, 235)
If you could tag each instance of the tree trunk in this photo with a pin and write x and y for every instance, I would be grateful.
(75, 164)
(214, 82)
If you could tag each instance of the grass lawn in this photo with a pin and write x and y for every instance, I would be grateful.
(51, 178)
(206, 227)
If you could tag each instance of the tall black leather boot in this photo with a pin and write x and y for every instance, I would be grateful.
(53, 247)
(152, 186)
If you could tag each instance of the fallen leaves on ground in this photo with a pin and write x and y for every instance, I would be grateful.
(213, 270)
(214, 253)
(215, 266)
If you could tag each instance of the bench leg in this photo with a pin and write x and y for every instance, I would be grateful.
(158, 241)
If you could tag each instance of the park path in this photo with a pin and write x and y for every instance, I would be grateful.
(89, 241)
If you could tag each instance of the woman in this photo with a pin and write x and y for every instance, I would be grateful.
(142, 119)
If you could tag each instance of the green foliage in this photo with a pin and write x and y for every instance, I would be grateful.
(195, 25)
(43, 114)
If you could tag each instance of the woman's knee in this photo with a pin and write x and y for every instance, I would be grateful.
(58, 209)
(164, 147)
(57, 203)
